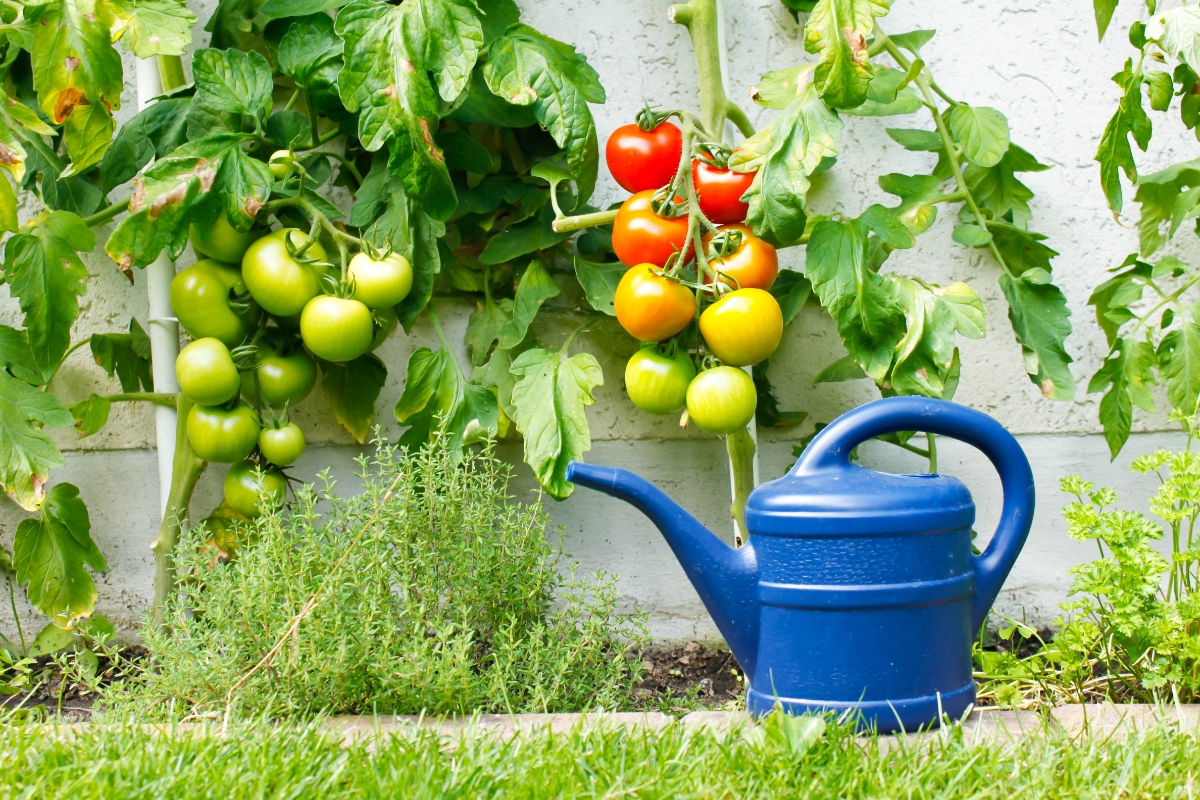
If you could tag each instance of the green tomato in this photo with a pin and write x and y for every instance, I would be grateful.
(380, 283)
(206, 372)
(223, 435)
(223, 242)
(281, 161)
(282, 445)
(279, 283)
(657, 383)
(282, 379)
(336, 329)
(249, 493)
(722, 400)
(200, 296)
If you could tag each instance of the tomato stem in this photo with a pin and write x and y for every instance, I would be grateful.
(157, 398)
(741, 447)
(105, 214)
(700, 18)
(581, 221)
(185, 473)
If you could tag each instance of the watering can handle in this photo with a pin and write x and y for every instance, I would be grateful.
(832, 448)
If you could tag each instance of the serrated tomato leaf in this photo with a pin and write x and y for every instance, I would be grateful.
(437, 400)
(1041, 321)
(26, 453)
(837, 32)
(352, 389)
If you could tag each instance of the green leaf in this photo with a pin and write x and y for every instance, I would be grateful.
(1113, 297)
(1114, 154)
(783, 156)
(16, 356)
(201, 179)
(886, 97)
(74, 63)
(498, 16)
(982, 132)
(8, 207)
(550, 401)
(768, 414)
(280, 9)
(484, 327)
(970, 317)
(918, 195)
(26, 453)
(776, 89)
(971, 235)
(86, 133)
(1041, 321)
(496, 375)
(426, 262)
(25, 116)
(1179, 353)
(91, 415)
(1177, 32)
(912, 41)
(464, 153)
(868, 319)
(52, 639)
(1159, 89)
(45, 273)
(390, 53)
(50, 554)
(792, 290)
(916, 139)
(1104, 10)
(885, 224)
(1021, 250)
(1127, 373)
(523, 238)
(997, 189)
(535, 288)
(125, 355)
(1167, 198)
(845, 368)
(309, 45)
(599, 282)
(530, 69)
(924, 357)
(352, 389)
(837, 31)
(154, 133)
(438, 399)
(152, 27)
(233, 82)
(289, 129)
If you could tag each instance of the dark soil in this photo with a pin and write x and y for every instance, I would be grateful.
(74, 701)
(688, 677)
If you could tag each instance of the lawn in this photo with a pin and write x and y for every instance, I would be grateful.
(258, 761)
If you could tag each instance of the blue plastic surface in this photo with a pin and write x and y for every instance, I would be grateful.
(857, 592)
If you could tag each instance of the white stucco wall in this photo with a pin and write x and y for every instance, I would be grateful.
(1038, 62)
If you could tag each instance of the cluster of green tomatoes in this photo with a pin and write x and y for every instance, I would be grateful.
(261, 308)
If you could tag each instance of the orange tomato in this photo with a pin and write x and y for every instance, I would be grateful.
(641, 236)
(743, 327)
(651, 306)
(754, 264)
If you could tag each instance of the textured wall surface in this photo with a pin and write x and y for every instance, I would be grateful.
(1038, 62)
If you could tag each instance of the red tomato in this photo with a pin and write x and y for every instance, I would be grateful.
(754, 264)
(720, 191)
(642, 237)
(641, 160)
(651, 306)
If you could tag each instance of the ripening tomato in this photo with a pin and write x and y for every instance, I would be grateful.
(281, 284)
(282, 375)
(336, 329)
(224, 243)
(743, 327)
(223, 435)
(722, 400)
(206, 372)
(250, 490)
(380, 283)
(754, 264)
(651, 306)
(201, 296)
(656, 382)
(641, 236)
(720, 191)
(283, 445)
(641, 160)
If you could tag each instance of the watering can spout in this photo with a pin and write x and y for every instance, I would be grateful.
(724, 577)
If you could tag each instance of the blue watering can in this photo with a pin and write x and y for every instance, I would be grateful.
(857, 591)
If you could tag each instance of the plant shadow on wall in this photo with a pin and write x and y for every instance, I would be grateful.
(431, 591)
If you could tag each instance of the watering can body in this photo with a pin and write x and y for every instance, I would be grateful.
(858, 592)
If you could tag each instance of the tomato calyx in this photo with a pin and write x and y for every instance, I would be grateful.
(648, 118)
(668, 205)
(715, 154)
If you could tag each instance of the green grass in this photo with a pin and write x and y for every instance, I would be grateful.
(255, 761)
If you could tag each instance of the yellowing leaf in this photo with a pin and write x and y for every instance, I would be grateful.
(837, 31)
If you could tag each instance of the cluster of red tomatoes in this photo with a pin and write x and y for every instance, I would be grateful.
(657, 300)
(266, 291)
